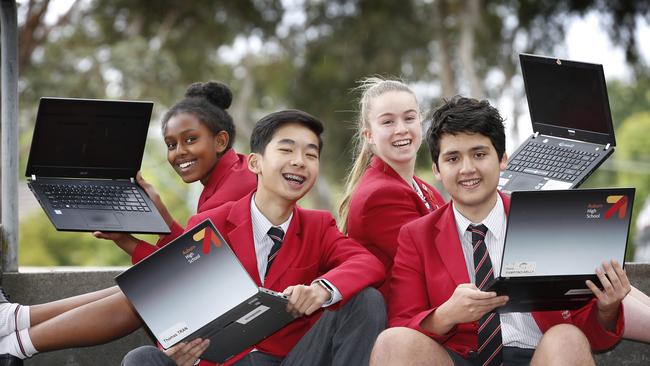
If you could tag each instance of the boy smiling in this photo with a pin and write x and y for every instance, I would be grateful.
(295, 251)
(444, 259)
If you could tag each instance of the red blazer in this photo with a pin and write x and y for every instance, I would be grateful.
(230, 178)
(381, 204)
(313, 248)
(430, 265)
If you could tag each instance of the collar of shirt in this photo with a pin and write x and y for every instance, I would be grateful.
(261, 224)
(494, 221)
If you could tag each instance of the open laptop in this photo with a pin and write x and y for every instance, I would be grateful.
(572, 125)
(195, 287)
(82, 164)
(555, 240)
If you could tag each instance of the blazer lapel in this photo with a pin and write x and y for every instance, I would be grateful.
(240, 237)
(288, 251)
(449, 247)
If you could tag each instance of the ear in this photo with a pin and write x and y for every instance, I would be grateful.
(436, 172)
(503, 164)
(254, 163)
(367, 135)
(221, 140)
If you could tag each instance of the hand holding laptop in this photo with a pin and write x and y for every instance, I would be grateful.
(466, 304)
(305, 300)
(616, 286)
(186, 354)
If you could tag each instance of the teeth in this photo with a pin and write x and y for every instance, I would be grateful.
(186, 164)
(402, 143)
(295, 178)
(470, 182)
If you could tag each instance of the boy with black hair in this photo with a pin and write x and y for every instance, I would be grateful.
(295, 251)
(445, 258)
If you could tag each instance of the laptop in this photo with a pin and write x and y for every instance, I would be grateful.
(572, 124)
(195, 287)
(554, 242)
(82, 164)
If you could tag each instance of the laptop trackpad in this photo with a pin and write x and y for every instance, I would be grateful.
(101, 220)
(523, 183)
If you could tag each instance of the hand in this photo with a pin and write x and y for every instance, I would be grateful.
(616, 286)
(466, 304)
(123, 240)
(305, 300)
(186, 354)
(155, 198)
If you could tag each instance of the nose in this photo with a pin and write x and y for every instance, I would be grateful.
(467, 166)
(297, 160)
(400, 126)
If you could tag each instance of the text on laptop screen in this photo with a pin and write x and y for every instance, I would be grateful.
(567, 94)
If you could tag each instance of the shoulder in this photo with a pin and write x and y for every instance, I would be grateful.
(376, 186)
(431, 222)
(215, 214)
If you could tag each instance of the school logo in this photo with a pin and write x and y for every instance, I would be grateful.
(209, 238)
(619, 204)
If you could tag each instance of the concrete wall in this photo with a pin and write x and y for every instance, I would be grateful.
(38, 287)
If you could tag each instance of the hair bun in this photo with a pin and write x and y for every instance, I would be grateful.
(215, 92)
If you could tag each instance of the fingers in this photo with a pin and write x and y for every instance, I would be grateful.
(305, 300)
(186, 354)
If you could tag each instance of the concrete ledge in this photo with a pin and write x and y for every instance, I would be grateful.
(36, 286)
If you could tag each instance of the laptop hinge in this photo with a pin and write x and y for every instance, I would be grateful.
(132, 180)
(33, 177)
(535, 135)
(607, 146)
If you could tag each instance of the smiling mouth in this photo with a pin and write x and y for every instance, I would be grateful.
(402, 143)
(294, 178)
(470, 183)
(186, 164)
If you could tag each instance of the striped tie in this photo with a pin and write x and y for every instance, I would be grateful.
(277, 235)
(489, 326)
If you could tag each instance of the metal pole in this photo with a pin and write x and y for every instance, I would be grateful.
(9, 116)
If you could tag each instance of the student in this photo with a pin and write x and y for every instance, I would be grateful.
(316, 266)
(199, 134)
(436, 303)
(382, 192)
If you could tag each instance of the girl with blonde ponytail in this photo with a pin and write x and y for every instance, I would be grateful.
(382, 192)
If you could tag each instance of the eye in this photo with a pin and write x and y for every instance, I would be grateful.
(190, 140)
(411, 118)
(285, 149)
(387, 122)
(312, 156)
(481, 154)
(170, 145)
(451, 159)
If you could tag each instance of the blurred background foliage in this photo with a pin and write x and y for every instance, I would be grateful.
(306, 55)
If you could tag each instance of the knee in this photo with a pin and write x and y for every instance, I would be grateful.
(396, 341)
(141, 356)
(371, 302)
(567, 336)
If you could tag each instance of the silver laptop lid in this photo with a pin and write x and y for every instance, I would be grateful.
(187, 284)
(567, 232)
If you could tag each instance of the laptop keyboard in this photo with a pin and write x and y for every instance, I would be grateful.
(551, 161)
(95, 197)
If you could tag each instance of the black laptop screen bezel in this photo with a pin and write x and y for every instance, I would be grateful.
(545, 128)
(137, 111)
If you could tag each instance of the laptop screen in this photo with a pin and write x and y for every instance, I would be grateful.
(89, 138)
(565, 96)
(566, 232)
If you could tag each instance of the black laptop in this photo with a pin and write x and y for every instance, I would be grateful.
(554, 242)
(572, 125)
(195, 287)
(82, 164)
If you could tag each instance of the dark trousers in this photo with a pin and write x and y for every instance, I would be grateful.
(342, 337)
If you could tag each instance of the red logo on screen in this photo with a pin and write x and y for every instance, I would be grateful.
(619, 204)
(209, 238)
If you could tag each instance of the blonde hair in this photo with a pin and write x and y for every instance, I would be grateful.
(370, 88)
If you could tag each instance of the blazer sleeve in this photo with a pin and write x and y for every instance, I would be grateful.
(144, 249)
(586, 318)
(408, 303)
(345, 263)
(384, 212)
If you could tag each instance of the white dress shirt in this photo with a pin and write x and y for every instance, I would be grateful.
(264, 243)
(517, 329)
